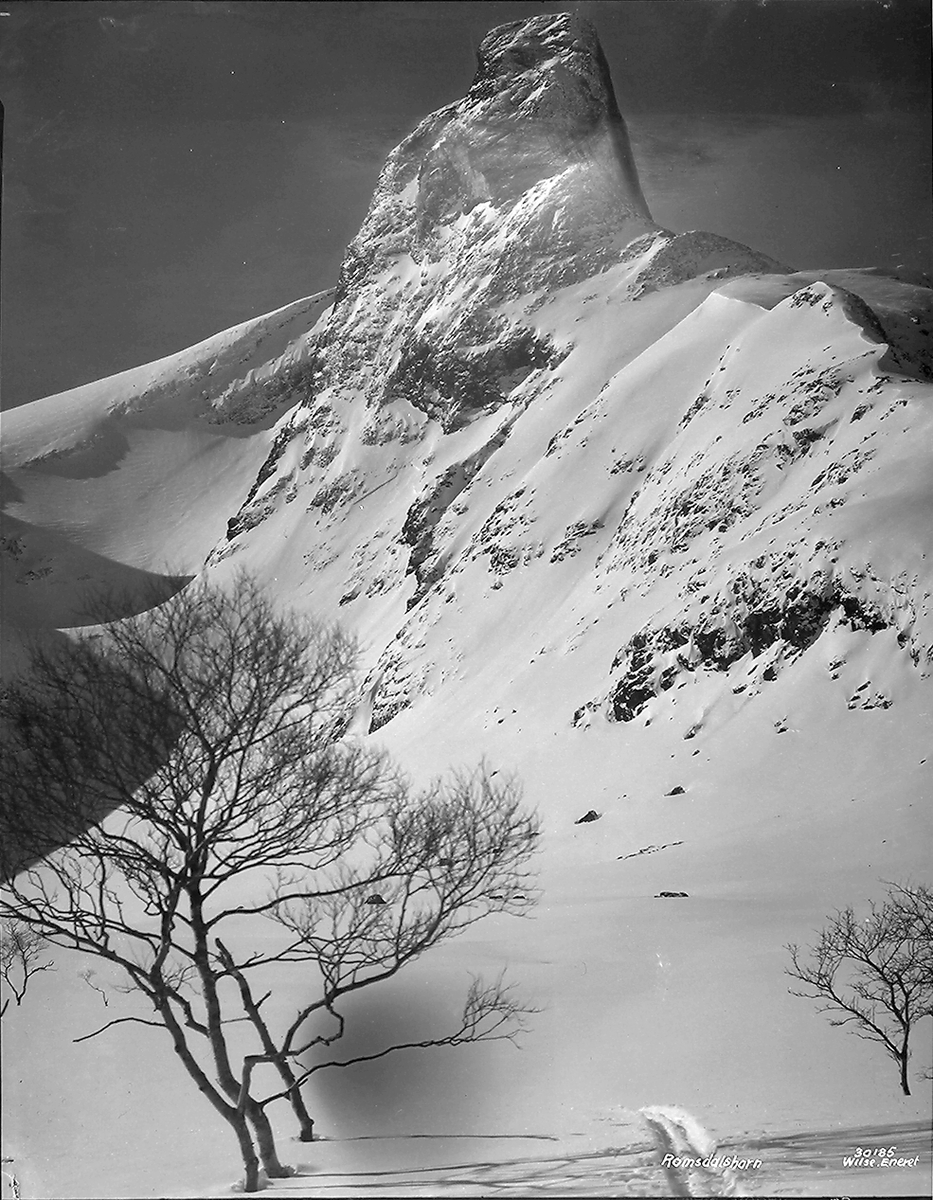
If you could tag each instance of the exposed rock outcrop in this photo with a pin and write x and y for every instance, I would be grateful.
(754, 615)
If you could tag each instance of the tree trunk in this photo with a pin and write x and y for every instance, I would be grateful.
(237, 1090)
(248, 1152)
(904, 1056)
(266, 1140)
(305, 1121)
(230, 1114)
(905, 1085)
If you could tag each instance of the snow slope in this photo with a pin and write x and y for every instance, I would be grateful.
(120, 480)
(644, 517)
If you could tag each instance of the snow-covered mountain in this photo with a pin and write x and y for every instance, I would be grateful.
(645, 516)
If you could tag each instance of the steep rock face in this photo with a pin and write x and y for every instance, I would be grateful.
(525, 185)
(491, 206)
(540, 124)
(548, 74)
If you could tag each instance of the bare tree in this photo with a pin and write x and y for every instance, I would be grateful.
(213, 731)
(877, 973)
(22, 955)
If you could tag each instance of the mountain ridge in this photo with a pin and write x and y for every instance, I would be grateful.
(448, 341)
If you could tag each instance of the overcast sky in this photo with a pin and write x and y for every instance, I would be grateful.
(172, 168)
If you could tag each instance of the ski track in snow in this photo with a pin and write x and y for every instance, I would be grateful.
(801, 1164)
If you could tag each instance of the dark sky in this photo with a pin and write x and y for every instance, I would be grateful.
(172, 168)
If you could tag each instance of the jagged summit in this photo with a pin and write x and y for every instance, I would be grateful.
(541, 103)
(537, 145)
(524, 186)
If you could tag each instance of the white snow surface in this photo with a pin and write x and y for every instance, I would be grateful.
(657, 539)
(616, 503)
(119, 481)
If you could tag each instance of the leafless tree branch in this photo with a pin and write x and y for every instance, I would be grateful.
(21, 953)
(875, 975)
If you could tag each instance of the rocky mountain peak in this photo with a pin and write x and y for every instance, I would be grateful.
(547, 76)
(537, 142)
(525, 185)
